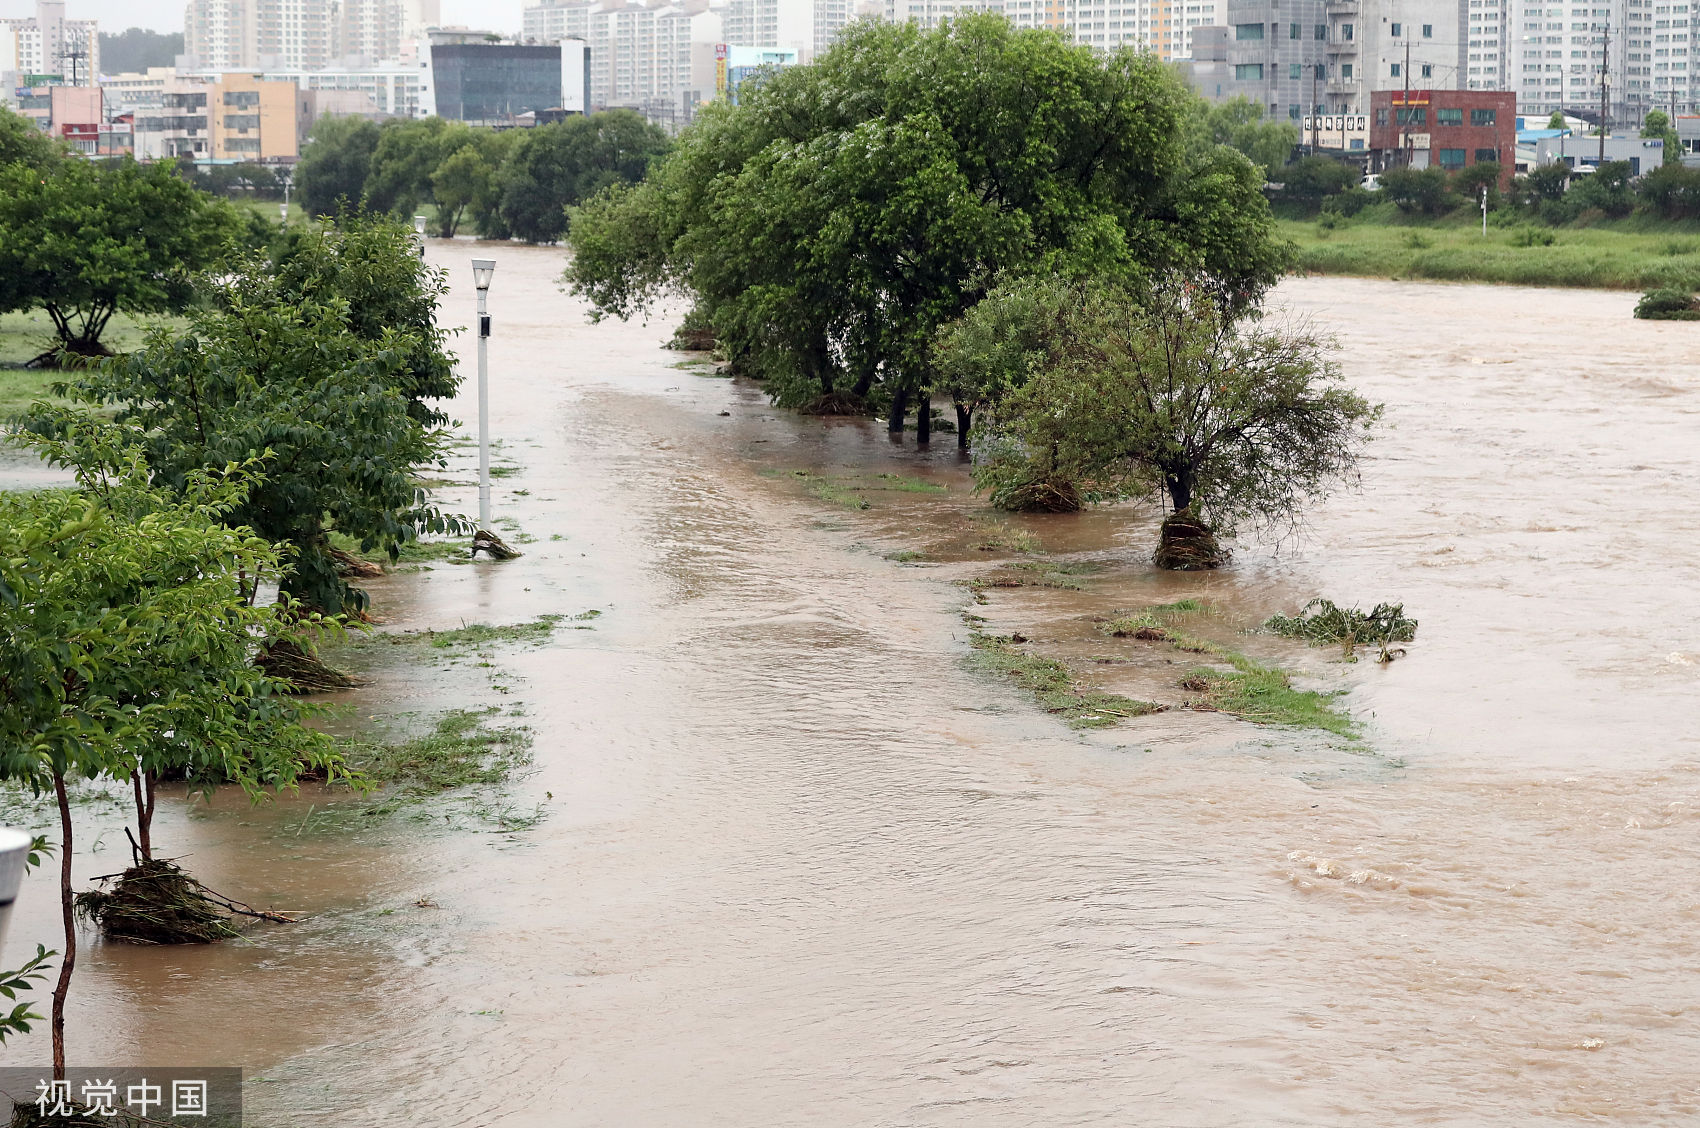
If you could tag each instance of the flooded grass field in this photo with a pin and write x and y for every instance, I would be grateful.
(781, 855)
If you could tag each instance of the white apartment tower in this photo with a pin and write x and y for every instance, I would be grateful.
(1163, 27)
(657, 60)
(1556, 50)
(48, 43)
(301, 34)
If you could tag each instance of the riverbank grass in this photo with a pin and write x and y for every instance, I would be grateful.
(459, 751)
(1247, 689)
(1621, 256)
(1051, 684)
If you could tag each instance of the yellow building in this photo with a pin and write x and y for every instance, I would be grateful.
(252, 119)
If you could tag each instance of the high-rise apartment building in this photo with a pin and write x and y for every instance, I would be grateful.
(658, 60)
(1329, 55)
(1165, 27)
(302, 34)
(1557, 50)
(48, 44)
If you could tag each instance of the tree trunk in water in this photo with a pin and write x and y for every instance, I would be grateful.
(143, 784)
(1187, 544)
(1180, 490)
(899, 408)
(924, 420)
(63, 986)
(964, 417)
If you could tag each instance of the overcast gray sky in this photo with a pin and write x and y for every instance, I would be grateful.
(167, 15)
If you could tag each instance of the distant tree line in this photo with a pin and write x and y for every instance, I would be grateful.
(1555, 193)
(505, 184)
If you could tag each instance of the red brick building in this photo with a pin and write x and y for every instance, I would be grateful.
(1451, 129)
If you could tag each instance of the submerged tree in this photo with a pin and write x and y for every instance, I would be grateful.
(834, 218)
(126, 639)
(1168, 391)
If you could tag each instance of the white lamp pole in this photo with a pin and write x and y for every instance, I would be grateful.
(419, 234)
(482, 270)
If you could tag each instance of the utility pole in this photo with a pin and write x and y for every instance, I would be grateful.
(1605, 48)
(1405, 136)
(1313, 109)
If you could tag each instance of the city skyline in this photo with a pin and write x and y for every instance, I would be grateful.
(167, 15)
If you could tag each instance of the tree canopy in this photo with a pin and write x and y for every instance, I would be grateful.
(835, 217)
(335, 163)
(555, 166)
(22, 143)
(283, 361)
(1162, 391)
(92, 239)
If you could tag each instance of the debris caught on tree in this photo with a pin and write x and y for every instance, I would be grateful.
(1186, 544)
(486, 541)
(305, 673)
(155, 902)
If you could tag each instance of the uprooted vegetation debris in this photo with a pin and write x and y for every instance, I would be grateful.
(155, 902)
(1051, 684)
(461, 752)
(1322, 623)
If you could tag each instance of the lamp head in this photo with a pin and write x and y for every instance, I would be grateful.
(482, 270)
(419, 225)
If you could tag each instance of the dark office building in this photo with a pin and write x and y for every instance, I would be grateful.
(493, 82)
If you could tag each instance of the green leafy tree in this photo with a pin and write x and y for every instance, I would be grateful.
(371, 263)
(1238, 123)
(1556, 121)
(93, 239)
(1168, 393)
(126, 639)
(335, 163)
(137, 49)
(1606, 188)
(1657, 124)
(462, 180)
(1427, 191)
(408, 153)
(1548, 182)
(1671, 191)
(22, 143)
(275, 368)
(832, 220)
(1469, 181)
(555, 166)
(1310, 180)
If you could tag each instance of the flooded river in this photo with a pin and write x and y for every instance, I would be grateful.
(798, 866)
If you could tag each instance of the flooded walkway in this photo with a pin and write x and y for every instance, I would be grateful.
(798, 867)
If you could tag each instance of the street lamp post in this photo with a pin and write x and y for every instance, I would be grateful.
(482, 270)
(419, 235)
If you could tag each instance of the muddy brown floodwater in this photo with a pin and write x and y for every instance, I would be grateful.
(799, 867)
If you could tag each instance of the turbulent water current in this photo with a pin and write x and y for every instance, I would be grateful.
(797, 866)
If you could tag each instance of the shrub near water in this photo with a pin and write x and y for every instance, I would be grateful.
(1668, 305)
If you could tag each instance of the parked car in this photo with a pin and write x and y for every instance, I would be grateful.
(1371, 183)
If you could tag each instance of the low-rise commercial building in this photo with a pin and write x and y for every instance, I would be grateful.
(1643, 154)
(1451, 129)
